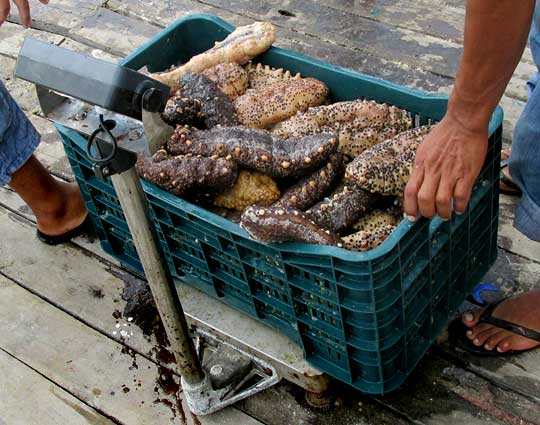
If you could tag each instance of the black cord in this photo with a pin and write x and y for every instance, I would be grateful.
(101, 129)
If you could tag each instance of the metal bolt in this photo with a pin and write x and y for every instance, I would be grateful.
(216, 370)
(80, 116)
(135, 134)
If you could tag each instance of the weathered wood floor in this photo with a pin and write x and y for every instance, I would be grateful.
(62, 357)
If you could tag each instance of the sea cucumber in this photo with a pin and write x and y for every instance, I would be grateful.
(358, 124)
(262, 107)
(242, 45)
(186, 175)
(342, 209)
(310, 190)
(256, 149)
(365, 240)
(251, 188)
(386, 168)
(276, 224)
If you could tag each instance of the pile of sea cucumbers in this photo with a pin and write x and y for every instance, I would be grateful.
(269, 149)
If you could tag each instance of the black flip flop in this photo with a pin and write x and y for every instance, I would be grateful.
(514, 188)
(85, 227)
(457, 333)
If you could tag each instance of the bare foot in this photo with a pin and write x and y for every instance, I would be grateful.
(522, 310)
(64, 210)
(505, 188)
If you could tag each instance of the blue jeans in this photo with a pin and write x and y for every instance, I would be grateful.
(18, 137)
(524, 164)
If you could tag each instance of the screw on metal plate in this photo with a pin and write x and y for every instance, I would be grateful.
(80, 116)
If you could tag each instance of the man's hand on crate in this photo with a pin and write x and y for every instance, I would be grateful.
(451, 157)
(24, 11)
(446, 166)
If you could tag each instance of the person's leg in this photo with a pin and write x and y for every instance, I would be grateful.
(524, 162)
(58, 206)
(524, 168)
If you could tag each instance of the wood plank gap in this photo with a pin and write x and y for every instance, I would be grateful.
(395, 411)
(532, 260)
(67, 33)
(458, 361)
(128, 14)
(102, 413)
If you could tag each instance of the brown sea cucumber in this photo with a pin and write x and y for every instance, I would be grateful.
(231, 78)
(365, 240)
(310, 190)
(276, 224)
(186, 175)
(343, 208)
(377, 218)
(260, 75)
(358, 124)
(256, 149)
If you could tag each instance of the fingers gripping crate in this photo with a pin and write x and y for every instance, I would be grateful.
(364, 318)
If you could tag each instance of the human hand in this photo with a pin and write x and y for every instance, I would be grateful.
(24, 11)
(446, 166)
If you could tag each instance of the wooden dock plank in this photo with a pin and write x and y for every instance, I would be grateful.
(58, 16)
(13, 35)
(22, 387)
(23, 92)
(91, 291)
(438, 18)
(112, 32)
(118, 382)
(11, 201)
(92, 367)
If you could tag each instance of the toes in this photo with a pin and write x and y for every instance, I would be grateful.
(474, 332)
(480, 338)
(505, 344)
(470, 319)
(493, 341)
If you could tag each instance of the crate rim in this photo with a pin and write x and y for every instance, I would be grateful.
(132, 61)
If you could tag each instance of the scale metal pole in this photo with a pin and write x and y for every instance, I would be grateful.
(131, 196)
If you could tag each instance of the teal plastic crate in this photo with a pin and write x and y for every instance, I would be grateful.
(364, 318)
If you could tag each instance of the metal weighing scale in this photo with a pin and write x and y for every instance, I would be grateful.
(231, 356)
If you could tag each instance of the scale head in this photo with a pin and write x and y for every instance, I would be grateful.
(67, 80)
(94, 81)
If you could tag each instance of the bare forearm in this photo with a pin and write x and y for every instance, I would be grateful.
(495, 37)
